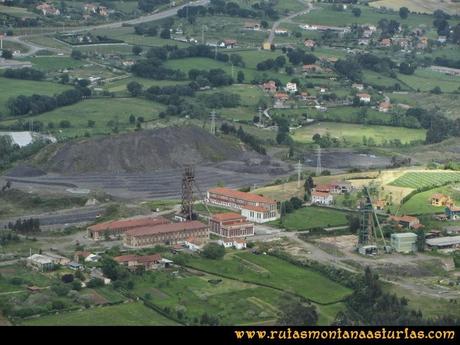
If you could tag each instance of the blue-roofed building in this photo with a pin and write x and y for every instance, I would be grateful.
(453, 212)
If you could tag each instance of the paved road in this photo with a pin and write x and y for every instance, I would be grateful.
(33, 47)
(286, 19)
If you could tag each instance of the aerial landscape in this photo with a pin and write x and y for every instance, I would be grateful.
(229, 163)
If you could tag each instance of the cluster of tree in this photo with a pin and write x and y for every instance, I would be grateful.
(146, 29)
(370, 305)
(438, 126)
(297, 56)
(325, 140)
(221, 7)
(268, 64)
(440, 22)
(349, 68)
(296, 311)
(289, 206)
(37, 104)
(246, 138)
(220, 100)
(10, 152)
(282, 135)
(25, 226)
(214, 77)
(213, 251)
(150, 69)
(388, 27)
(25, 73)
(7, 237)
(152, 66)
(443, 61)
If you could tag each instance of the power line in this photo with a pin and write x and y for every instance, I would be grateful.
(318, 161)
(213, 122)
(299, 173)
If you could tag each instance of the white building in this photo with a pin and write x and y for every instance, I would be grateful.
(404, 242)
(236, 243)
(364, 97)
(258, 214)
(291, 87)
(321, 198)
(40, 262)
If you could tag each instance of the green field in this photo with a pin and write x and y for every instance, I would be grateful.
(354, 133)
(126, 314)
(27, 276)
(420, 203)
(54, 63)
(99, 110)
(426, 179)
(232, 301)
(335, 114)
(271, 271)
(426, 80)
(207, 64)
(16, 11)
(312, 217)
(325, 15)
(15, 87)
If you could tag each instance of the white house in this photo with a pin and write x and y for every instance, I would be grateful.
(237, 243)
(193, 245)
(321, 198)
(357, 86)
(258, 214)
(291, 87)
(364, 97)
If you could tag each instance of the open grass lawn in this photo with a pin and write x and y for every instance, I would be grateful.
(12, 46)
(126, 314)
(16, 11)
(269, 270)
(119, 86)
(354, 133)
(422, 6)
(313, 217)
(425, 179)
(213, 209)
(426, 80)
(377, 79)
(335, 114)
(448, 103)
(48, 41)
(232, 301)
(15, 87)
(249, 94)
(420, 203)
(54, 63)
(207, 64)
(27, 276)
(324, 14)
(101, 111)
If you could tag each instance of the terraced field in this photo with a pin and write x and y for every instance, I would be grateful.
(425, 179)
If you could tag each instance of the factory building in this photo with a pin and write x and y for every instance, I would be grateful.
(405, 242)
(231, 225)
(171, 233)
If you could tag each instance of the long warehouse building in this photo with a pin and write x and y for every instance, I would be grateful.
(171, 233)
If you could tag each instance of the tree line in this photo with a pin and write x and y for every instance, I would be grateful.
(247, 138)
(220, 7)
(37, 104)
(25, 226)
(25, 73)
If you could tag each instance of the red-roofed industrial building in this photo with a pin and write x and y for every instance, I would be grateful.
(118, 227)
(256, 208)
(171, 233)
(231, 225)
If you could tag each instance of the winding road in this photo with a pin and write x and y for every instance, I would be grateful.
(33, 47)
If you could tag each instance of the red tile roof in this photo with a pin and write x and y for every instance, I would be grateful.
(404, 219)
(255, 208)
(165, 228)
(138, 258)
(128, 223)
(241, 195)
(220, 217)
